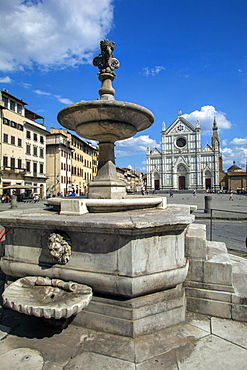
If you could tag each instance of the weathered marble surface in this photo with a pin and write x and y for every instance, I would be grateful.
(74, 207)
(124, 253)
(216, 281)
(44, 297)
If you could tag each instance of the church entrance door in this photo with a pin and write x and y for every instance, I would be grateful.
(208, 184)
(181, 182)
(157, 184)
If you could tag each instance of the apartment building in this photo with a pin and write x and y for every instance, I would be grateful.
(95, 157)
(134, 180)
(82, 162)
(23, 146)
(58, 164)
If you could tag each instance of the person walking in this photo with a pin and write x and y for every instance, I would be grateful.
(231, 195)
(171, 193)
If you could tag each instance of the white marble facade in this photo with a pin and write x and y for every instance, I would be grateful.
(182, 163)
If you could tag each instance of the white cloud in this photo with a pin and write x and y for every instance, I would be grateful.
(239, 142)
(224, 142)
(65, 101)
(227, 152)
(235, 151)
(152, 71)
(6, 80)
(25, 85)
(39, 92)
(206, 117)
(51, 33)
(62, 100)
(134, 145)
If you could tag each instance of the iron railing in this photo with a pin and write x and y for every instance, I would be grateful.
(211, 210)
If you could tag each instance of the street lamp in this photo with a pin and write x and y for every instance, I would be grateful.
(66, 168)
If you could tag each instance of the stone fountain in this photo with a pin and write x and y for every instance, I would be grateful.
(106, 120)
(137, 255)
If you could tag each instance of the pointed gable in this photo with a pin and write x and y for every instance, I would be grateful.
(155, 152)
(179, 126)
(181, 160)
(207, 170)
(207, 148)
(156, 171)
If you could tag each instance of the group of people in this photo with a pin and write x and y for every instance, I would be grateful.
(23, 197)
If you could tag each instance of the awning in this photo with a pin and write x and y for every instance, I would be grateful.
(16, 186)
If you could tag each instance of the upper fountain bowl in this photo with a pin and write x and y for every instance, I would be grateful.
(105, 120)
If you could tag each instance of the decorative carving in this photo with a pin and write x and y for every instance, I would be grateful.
(59, 247)
(45, 297)
(106, 61)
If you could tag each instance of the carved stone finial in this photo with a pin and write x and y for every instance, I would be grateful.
(106, 64)
(106, 61)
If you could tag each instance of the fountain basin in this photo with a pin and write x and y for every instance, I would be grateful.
(105, 120)
(79, 206)
(44, 297)
(127, 254)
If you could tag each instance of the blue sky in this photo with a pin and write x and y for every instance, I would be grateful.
(174, 54)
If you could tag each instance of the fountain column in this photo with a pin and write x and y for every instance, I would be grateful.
(106, 185)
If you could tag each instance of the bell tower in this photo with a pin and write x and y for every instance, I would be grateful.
(215, 137)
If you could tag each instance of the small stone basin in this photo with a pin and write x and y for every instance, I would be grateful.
(45, 297)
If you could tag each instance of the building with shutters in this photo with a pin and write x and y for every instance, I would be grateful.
(23, 146)
(71, 163)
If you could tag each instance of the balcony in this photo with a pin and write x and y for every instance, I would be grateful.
(29, 174)
(12, 170)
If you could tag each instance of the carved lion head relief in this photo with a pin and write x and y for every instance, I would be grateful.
(60, 247)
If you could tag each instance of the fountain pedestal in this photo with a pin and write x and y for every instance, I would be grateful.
(106, 185)
(134, 262)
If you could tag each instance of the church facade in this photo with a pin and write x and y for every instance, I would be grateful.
(182, 163)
